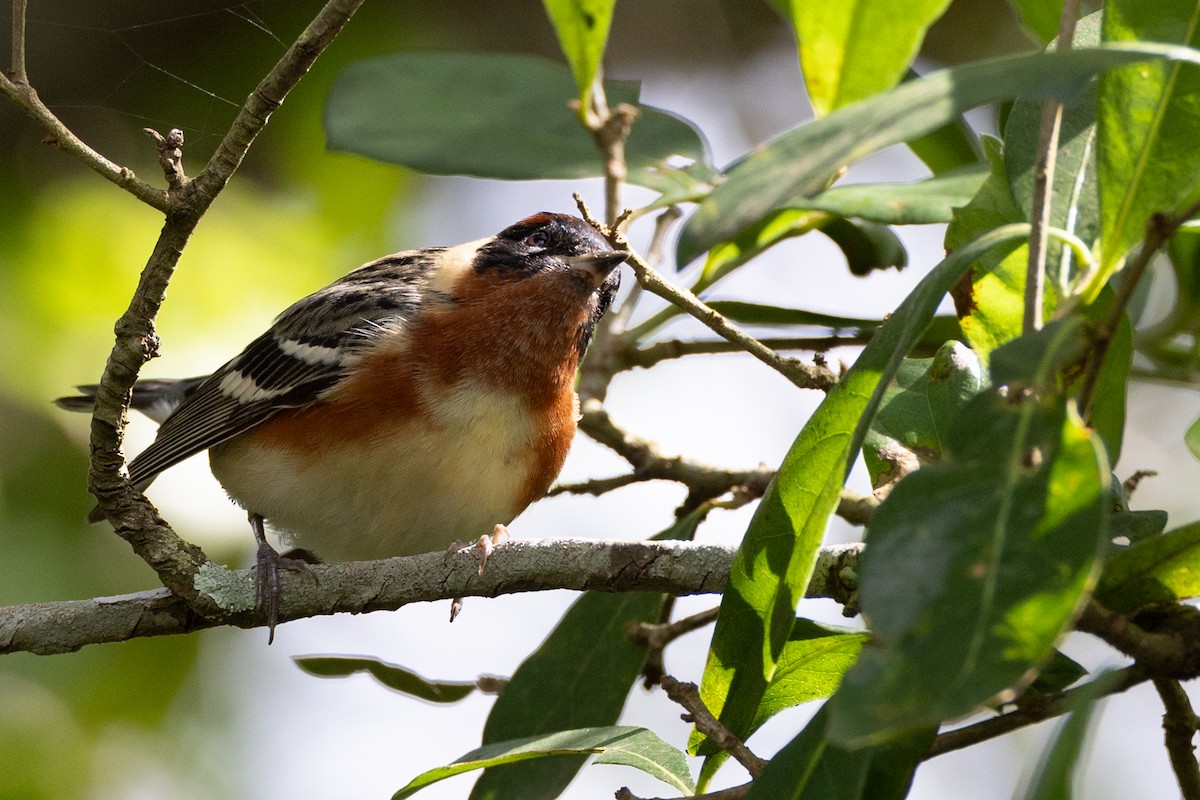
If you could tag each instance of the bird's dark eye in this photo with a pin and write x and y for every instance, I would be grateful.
(537, 239)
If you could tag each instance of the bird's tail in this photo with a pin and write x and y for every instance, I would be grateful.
(154, 398)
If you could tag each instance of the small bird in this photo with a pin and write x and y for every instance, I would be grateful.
(424, 396)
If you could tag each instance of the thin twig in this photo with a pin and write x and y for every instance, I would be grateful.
(688, 696)
(17, 73)
(802, 375)
(667, 349)
(610, 128)
(1043, 181)
(704, 481)
(25, 98)
(1179, 729)
(1030, 711)
(659, 635)
(170, 156)
(1170, 651)
(177, 562)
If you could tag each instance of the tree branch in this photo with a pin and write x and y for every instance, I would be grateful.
(667, 349)
(805, 376)
(1030, 710)
(704, 482)
(176, 562)
(674, 567)
(25, 98)
(18, 43)
(1179, 728)
(688, 696)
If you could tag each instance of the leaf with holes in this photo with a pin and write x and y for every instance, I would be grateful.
(582, 30)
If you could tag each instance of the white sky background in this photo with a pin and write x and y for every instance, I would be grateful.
(294, 736)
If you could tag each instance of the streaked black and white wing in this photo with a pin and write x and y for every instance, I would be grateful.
(309, 350)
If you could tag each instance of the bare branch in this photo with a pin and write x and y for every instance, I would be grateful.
(688, 696)
(1030, 710)
(176, 562)
(674, 567)
(659, 635)
(704, 481)
(1179, 729)
(802, 375)
(170, 156)
(18, 43)
(24, 96)
(667, 349)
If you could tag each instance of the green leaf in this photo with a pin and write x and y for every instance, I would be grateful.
(951, 147)
(919, 406)
(491, 116)
(582, 30)
(1148, 117)
(1192, 438)
(1136, 525)
(810, 767)
(867, 246)
(810, 667)
(1161, 569)
(773, 565)
(579, 677)
(1057, 674)
(975, 566)
(802, 161)
(845, 54)
(390, 675)
(620, 744)
(917, 203)
(1040, 16)
(991, 304)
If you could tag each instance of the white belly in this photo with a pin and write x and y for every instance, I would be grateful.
(413, 491)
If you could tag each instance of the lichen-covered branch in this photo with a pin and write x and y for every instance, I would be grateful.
(674, 567)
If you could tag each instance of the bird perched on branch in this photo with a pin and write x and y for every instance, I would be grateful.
(424, 396)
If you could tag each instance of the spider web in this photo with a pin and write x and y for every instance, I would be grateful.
(108, 67)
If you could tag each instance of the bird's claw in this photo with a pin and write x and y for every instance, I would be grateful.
(485, 545)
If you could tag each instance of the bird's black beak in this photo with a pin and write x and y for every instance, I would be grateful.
(596, 266)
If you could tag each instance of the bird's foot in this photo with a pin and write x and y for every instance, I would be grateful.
(485, 545)
(268, 562)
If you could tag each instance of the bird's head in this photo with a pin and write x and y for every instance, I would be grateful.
(552, 266)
